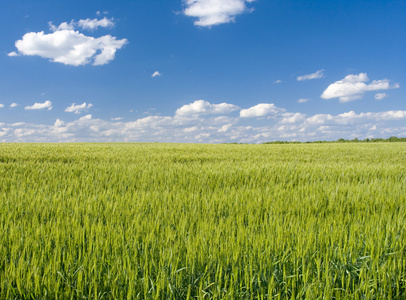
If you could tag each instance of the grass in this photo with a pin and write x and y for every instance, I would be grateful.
(172, 221)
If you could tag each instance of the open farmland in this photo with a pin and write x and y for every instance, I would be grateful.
(203, 221)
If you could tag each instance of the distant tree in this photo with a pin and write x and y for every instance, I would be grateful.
(341, 140)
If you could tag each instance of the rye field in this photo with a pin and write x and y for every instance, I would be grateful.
(188, 221)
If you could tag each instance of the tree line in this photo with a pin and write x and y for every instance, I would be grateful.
(392, 139)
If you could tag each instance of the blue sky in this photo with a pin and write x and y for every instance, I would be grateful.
(201, 70)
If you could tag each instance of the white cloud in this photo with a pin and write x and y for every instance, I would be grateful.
(261, 110)
(46, 105)
(353, 87)
(191, 129)
(291, 118)
(92, 24)
(11, 54)
(278, 81)
(17, 124)
(155, 74)
(200, 107)
(215, 12)
(62, 26)
(302, 100)
(381, 96)
(225, 128)
(85, 118)
(351, 118)
(210, 128)
(87, 24)
(117, 119)
(59, 123)
(13, 105)
(1, 105)
(78, 108)
(70, 47)
(316, 75)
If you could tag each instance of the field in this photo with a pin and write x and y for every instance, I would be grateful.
(162, 221)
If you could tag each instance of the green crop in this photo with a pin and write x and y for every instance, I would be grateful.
(172, 221)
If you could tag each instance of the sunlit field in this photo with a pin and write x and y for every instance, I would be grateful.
(162, 221)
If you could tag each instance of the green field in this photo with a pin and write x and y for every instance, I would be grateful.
(161, 221)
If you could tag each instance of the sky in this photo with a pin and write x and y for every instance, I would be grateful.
(202, 71)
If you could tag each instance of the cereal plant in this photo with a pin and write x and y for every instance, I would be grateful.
(187, 221)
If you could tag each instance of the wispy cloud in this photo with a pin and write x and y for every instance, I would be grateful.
(156, 74)
(100, 12)
(316, 75)
(87, 24)
(13, 53)
(303, 100)
(381, 96)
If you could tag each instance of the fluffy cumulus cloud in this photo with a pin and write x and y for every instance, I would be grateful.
(202, 107)
(36, 106)
(353, 87)
(70, 47)
(292, 118)
(78, 108)
(202, 121)
(261, 110)
(215, 12)
(316, 75)
(1, 105)
(12, 105)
